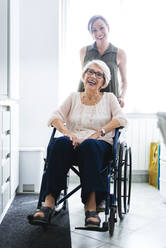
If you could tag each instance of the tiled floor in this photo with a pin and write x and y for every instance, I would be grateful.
(143, 227)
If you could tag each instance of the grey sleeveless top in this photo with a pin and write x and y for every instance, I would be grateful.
(109, 57)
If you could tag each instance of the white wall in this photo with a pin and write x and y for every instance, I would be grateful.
(39, 52)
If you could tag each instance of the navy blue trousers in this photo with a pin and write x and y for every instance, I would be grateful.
(89, 156)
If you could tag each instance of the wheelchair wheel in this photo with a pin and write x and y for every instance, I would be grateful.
(121, 180)
(127, 180)
(112, 220)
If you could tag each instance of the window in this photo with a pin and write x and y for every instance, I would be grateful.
(137, 26)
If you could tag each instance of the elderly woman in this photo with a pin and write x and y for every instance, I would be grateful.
(90, 118)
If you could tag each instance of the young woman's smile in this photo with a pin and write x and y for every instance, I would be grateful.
(100, 30)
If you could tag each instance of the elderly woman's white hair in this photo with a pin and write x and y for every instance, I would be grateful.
(102, 66)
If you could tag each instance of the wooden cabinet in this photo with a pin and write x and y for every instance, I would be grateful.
(8, 155)
(5, 179)
(9, 93)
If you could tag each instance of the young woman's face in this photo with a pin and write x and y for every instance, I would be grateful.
(99, 30)
(93, 78)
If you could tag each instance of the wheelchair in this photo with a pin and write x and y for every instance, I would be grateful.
(118, 173)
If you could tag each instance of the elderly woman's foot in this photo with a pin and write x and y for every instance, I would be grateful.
(92, 219)
(43, 215)
(40, 213)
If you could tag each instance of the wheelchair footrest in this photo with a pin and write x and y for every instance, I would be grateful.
(104, 228)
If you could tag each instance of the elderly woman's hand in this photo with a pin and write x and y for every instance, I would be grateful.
(72, 137)
(95, 135)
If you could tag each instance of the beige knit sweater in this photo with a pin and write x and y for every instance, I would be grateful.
(83, 120)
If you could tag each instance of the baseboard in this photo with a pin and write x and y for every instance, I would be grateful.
(140, 176)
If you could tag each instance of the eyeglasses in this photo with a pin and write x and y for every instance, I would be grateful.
(98, 74)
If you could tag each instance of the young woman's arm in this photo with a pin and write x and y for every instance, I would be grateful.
(121, 61)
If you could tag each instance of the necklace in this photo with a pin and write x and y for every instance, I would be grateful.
(90, 100)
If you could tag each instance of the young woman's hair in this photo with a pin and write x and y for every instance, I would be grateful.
(93, 19)
(102, 65)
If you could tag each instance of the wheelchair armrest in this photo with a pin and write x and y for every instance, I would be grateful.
(117, 133)
(53, 132)
(52, 135)
(115, 142)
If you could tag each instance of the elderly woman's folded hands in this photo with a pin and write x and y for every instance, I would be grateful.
(95, 135)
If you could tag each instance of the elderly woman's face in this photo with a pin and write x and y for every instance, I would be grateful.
(99, 30)
(93, 78)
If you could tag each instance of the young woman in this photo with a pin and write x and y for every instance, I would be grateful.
(102, 49)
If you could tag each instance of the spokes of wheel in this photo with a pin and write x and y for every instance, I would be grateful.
(124, 180)
(120, 189)
(127, 182)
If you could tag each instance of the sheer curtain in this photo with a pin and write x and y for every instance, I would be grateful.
(137, 26)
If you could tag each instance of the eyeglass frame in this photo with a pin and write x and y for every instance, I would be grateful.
(98, 74)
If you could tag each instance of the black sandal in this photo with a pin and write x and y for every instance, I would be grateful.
(38, 220)
(89, 214)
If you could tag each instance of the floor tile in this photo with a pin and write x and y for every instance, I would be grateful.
(81, 241)
(108, 246)
(150, 236)
(144, 226)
